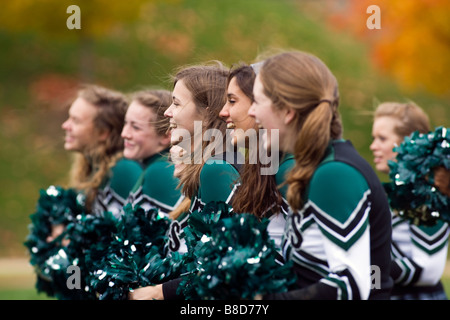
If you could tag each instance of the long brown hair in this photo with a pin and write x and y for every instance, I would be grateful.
(302, 82)
(90, 168)
(207, 84)
(257, 193)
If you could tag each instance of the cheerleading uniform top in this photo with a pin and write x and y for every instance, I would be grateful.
(115, 189)
(157, 186)
(419, 256)
(217, 179)
(339, 242)
(220, 176)
(217, 183)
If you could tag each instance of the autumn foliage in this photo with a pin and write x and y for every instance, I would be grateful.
(99, 17)
(413, 44)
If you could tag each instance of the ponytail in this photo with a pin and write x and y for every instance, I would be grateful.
(303, 83)
(310, 145)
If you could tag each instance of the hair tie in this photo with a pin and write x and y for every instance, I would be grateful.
(257, 66)
(325, 100)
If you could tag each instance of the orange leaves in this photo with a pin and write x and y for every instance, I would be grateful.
(54, 90)
(413, 44)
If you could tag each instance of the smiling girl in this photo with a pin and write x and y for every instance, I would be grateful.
(146, 140)
(419, 252)
(256, 193)
(340, 221)
(199, 94)
(93, 129)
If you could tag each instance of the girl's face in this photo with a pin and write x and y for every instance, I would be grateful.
(140, 137)
(384, 140)
(272, 120)
(235, 112)
(182, 112)
(80, 130)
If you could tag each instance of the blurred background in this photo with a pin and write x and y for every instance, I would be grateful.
(133, 44)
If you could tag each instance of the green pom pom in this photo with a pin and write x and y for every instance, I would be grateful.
(201, 222)
(411, 192)
(134, 257)
(55, 205)
(235, 259)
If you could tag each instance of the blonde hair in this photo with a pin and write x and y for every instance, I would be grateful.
(90, 168)
(182, 207)
(158, 101)
(303, 83)
(409, 115)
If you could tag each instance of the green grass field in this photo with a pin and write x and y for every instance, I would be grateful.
(17, 281)
(31, 294)
(22, 294)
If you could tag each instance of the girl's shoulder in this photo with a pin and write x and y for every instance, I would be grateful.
(217, 181)
(222, 163)
(338, 189)
(124, 164)
(124, 174)
(161, 167)
(335, 175)
(214, 169)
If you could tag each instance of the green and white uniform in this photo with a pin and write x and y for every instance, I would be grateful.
(157, 186)
(115, 189)
(342, 235)
(217, 183)
(419, 256)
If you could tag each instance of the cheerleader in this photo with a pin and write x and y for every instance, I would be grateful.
(256, 193)
(99, 174)
(199, 94)
(340, 227)
(93, 129)
(99, 171)
(419, 252)
(147, 141)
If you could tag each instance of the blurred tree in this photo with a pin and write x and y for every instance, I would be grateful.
(49, 17)
(413, 44)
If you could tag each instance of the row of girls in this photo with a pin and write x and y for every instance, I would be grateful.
(327, 230)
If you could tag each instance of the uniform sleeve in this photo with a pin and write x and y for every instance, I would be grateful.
(124, 176)
(338, 202)
(217, 181)
(160, 186)
(427, 256)
(339, 195)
